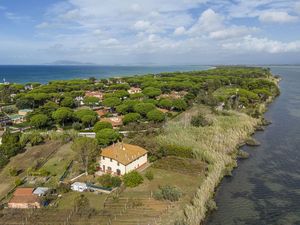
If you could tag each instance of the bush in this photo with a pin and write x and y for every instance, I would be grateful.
(143, 108)
(18, 181)
(102, 125)
(200, 121)
(107, 136)
(149, 175)
(131, 117)
(176, 150)
(13, 171)
(109, 181)
(156, 115)
(77, 126)
(133, 179)
(167, 193)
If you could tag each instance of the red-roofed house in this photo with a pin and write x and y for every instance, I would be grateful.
(96, 94)
(23, 198)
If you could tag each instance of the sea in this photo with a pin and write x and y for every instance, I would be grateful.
(46, 73)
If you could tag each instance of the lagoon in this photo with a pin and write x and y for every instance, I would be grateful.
(265, 189)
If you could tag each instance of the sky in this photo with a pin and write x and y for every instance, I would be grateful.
(150, 32)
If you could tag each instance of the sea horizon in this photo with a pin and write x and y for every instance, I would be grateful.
(46, 73)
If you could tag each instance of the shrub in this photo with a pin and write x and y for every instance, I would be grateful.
(109, 181)
(18, 181)
(131, 117)
(200, 121)
(167, 193)
(13, 171)
(107, 136)
(143, 108)
(149, 175)
(156, 115)
(133, 179)
(77, 126)
(102, 125)
(176, 150)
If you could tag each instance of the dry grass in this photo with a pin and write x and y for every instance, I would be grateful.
(23, 161)
(214, 144)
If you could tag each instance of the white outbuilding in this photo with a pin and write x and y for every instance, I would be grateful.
(79, 186)
(120, 158)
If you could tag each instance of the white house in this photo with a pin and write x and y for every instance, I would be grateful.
(78, 186)
(119, 159)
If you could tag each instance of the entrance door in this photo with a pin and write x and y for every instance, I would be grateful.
(118, 172)
(103, 168)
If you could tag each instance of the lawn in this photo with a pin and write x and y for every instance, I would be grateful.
(59, 162)
(67, 200)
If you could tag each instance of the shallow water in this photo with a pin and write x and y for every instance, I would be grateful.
(265, 189)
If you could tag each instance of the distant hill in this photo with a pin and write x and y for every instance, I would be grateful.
(68, 62)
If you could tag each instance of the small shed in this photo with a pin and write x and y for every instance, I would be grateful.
(41, 191)
(79, 186)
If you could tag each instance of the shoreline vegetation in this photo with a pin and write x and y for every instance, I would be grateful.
(192, 123)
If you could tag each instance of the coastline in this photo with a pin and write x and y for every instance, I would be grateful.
(218, 148)
(203, 202)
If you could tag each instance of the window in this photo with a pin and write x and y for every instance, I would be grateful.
(103, 157)
(111, 160)
(118, 164)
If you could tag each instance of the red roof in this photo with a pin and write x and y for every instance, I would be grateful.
(23, 191)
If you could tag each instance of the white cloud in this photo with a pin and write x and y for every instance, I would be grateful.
(277, 17)
(251, 44)
(16, 18)
(232, 32)
(208, 21)
(142, 25)
(179, 31)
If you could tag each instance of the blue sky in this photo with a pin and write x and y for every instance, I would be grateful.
(150, 31)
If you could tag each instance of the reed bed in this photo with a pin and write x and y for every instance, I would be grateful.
(215, 144)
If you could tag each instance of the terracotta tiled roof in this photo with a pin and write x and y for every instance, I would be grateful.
(101, 112)
(115, 121)
(24, 195)
(123, 153)
(96, 94)
(23, 191)
(24, 199)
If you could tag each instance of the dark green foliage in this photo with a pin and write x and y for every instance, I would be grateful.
(39, 121)
(156, 116)
(165, 103)
(167, 192)
(107, 136)
(133, 179)
(143, 108)
(119, 87)
(179, 105)
(10, 145)
(109, 181)
(102, 125)
(91, 101)
(63, 115)
(131, 117)
(111, 102)
(152, 92)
